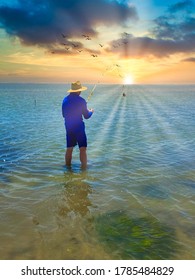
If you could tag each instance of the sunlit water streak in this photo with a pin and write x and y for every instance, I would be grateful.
(141, 166)
(166, 121)
(107, 131)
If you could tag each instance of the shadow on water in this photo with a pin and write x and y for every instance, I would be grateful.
(135, 238)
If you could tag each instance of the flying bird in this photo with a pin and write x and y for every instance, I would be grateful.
(94, 55)
(75, 45)
(86, 37)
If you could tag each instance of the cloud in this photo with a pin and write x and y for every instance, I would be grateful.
(59, 26)
(189, 59)
(145, 46)
(41, 22)
(176, 23)
(172, 33)
(181, 6)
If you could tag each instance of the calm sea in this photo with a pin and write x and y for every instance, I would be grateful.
(136, 200)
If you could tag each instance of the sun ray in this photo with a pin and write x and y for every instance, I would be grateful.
(100, 138)
(162, 124)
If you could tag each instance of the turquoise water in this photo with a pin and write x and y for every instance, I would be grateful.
(136, 200)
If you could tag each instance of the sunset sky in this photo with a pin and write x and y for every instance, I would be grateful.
(106, 41)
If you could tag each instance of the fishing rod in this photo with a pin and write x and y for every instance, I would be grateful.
(91, 93)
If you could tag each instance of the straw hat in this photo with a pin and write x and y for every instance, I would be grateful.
(76, 87)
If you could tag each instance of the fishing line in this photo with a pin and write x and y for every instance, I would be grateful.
(114, 67)
(91, 93)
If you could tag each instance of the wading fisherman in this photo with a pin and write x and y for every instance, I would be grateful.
(74, 108)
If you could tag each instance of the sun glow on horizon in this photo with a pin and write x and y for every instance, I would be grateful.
(128, 80)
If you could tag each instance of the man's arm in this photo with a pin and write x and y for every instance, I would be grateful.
(87, 113)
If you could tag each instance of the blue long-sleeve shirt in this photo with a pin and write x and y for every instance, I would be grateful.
(74, 108)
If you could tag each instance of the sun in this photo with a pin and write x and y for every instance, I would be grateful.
(128, 80)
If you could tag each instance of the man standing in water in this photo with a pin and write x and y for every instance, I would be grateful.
(74, 108)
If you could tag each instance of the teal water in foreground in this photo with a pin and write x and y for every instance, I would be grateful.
(136, 200)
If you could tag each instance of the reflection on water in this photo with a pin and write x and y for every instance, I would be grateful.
(75, 198)
(72, 233)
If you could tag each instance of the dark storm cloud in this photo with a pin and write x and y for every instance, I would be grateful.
(41, 22)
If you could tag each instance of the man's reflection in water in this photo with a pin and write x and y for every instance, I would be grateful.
(75, 198)
(70, 234)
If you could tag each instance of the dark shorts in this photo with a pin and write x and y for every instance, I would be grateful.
(74, 137)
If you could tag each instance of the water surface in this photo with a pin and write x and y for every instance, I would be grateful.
(135, 200)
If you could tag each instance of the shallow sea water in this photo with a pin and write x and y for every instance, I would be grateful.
(136, 200)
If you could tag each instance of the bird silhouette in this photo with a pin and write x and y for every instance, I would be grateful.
(75, 45)
(86, 37)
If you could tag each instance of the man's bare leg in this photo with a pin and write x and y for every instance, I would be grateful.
(83, 157)
(68, 156)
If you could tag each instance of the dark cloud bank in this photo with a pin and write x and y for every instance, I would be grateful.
(53, 23)
(42, 21)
